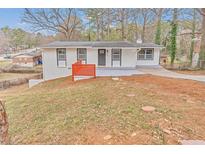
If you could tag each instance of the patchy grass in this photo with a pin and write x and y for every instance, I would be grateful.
(38, 68)
(9, 76)
(83, 112)
(5, 63)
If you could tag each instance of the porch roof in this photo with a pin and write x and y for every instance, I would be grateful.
(99, 44)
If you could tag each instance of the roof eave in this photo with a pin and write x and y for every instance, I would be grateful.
(50, 47)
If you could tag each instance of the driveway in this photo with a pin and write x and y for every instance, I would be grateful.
(160, 71)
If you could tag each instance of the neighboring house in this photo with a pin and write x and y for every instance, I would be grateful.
(59, 56)
(30, 59)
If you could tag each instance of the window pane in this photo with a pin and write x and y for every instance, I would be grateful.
(116, 56)
(141, 57)
(149, 57)
(116, 53)
(149, 51)
(82, 54)
(145, 54)
(141, 51)
(61, 57)
(141, 54)
(149, 54)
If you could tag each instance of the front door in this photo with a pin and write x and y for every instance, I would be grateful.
(101, 57)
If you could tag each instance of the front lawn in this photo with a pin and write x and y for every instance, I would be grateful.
(10, 76)
(103, 111)
(5, 63)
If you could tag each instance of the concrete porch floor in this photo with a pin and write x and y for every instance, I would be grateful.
(117, 71)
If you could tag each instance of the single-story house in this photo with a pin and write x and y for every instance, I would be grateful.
(59, 56)
(30, 59)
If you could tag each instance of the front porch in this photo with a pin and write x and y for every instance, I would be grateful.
(84, 71)
(117, 71)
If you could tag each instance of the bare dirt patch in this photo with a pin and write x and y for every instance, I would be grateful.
(177, 86)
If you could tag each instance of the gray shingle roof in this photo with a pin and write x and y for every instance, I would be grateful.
(97, 44)
(150, 45)
(68, 44)
(112, 44)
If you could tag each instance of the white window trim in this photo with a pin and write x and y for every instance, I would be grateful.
(145, 54)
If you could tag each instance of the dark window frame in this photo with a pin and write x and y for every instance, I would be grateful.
(78, 50)
(112, 55)
(61, 59)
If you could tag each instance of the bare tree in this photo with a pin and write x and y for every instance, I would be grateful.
(193, 34)
(202, 48)
(109, 20)
(158, 13)
(135, 19)
(146, 16)
(64, 21)
(96, 18)
(122, 16)
(4, 41)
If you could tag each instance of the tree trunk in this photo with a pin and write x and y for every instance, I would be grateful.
(123, 30)
(108, 24)
(158, 28)
(202, 48)
(158, 31)
(123, 23)
(102, 29)
(136, 31)
(144, 29)
(173, 36)
(3, 125)
(193, 36)
(67, 36)
(98, 28)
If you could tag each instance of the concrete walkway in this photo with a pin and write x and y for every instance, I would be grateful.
(160, 71)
